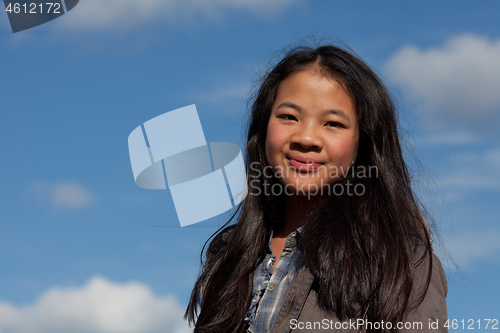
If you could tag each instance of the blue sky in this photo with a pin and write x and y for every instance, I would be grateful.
(83, 249)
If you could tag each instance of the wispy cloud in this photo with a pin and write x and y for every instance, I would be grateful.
(222, 93)
(468, 248)
(100, 306)
(458, 81)
(447, 138)
(67, 195)
(473, 171)
(126, 14)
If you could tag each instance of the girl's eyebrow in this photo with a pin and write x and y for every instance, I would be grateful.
(339, 113)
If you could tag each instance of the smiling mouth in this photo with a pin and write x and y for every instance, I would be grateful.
(304, 165)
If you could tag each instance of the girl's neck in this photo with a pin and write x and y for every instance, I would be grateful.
(296, 210)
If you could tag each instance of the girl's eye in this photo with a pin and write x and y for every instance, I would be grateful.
(287, 117)
(334, 124)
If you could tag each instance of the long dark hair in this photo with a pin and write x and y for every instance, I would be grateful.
(360, 248)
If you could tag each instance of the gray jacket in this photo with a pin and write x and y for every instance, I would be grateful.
(300, 311)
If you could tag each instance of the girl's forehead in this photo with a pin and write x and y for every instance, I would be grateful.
(321, 75)
(312, 90)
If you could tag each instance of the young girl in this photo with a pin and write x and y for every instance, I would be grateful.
(330, 236)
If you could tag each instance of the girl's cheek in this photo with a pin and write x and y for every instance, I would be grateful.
(272, 138)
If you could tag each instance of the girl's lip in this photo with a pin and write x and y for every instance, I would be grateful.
(304, 164)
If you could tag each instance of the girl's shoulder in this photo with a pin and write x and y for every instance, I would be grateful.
(428, 298)
(425, 262)
(427, 266)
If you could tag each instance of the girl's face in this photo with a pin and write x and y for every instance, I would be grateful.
(312, 134)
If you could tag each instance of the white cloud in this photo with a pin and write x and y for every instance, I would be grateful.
(469, 247)
(459, 82)
(100, 306)
(68, 195)
(126, 14)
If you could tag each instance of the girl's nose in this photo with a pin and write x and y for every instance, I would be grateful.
(308, 137)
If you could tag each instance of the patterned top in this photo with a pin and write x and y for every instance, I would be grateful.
(269, 287)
